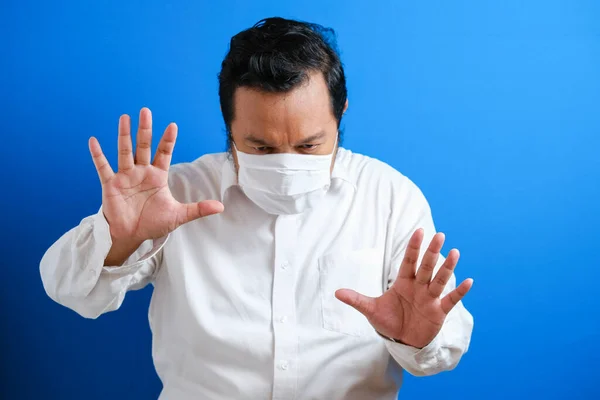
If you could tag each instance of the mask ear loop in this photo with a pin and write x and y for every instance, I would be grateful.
(336, 142)
(335, 146)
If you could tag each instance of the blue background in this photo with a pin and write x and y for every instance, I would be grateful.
(491, 107)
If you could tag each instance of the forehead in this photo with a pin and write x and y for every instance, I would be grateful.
(301, 112)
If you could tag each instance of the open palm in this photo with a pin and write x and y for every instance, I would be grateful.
(136, 201)
(412, 311)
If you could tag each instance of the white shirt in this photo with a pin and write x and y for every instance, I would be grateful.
(243, 305)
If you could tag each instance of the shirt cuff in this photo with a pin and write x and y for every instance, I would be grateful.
(414, 359)
(146, 251)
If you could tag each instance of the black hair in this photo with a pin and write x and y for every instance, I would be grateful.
(276, 55)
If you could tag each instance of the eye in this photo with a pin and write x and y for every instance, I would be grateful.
(263, 149)
(309, 146)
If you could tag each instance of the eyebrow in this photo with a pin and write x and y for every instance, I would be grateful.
(253, 139)
(313, 138)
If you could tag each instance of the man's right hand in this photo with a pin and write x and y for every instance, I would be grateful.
(136, 201)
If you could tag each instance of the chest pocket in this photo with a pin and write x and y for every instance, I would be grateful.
(359, 270)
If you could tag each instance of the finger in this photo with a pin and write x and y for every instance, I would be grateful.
(164, 152)
(411, 256)
(124, 146)
(430, 259)
(452, 298)
(144, 138)
(363, 304)
(105, 172)
(436, 287)
(192, 211)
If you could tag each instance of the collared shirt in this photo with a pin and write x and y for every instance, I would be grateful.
(243, 305)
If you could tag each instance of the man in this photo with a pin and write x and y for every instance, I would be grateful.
(287, 268)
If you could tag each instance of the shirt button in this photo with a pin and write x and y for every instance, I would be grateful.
(284, 365)
(282, 319)
(285, 265)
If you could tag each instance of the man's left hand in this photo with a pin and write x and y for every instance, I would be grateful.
(411, 311)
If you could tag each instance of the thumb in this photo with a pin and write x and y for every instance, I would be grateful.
(192, 211)
(363, 304)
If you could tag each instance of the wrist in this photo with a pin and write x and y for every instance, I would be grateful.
(391, 339)
(121, 250)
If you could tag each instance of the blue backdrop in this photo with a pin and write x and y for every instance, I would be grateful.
(491, 107)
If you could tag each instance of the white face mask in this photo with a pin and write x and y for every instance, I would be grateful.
(284, 183)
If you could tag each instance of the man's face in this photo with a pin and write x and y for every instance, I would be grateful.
(299, 121)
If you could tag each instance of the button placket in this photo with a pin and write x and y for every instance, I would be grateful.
(284, 310)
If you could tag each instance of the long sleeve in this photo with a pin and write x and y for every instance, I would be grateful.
(74, 275)
(448, 347)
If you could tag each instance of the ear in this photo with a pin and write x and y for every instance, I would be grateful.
(346, 106)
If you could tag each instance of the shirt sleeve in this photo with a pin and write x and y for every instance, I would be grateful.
(73, 272)
(445, 351)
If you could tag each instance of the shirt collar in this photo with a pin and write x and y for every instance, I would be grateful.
(229, 176)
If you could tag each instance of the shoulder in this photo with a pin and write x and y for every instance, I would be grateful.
(199, 179)
(379, 180)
